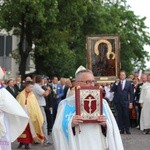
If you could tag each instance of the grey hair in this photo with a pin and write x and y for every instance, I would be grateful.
(78, 75)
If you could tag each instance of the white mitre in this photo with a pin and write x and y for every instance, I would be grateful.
(1, 73)
(81, 68)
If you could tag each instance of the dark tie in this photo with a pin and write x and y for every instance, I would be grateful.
(12, 89)
(122, 84)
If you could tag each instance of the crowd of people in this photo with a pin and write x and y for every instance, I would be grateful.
(41, 98)
(127, 101)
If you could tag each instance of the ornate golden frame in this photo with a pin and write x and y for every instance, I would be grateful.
(93, 48)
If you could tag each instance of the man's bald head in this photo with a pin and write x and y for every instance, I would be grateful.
(80, 73)
(144, 78)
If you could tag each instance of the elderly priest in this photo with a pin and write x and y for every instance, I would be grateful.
(71, 133)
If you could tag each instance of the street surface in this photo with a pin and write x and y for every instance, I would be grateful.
(136, 141)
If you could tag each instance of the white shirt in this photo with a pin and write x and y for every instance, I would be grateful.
(38, 91)
(107, 91)
(123, 82)
(54, 86)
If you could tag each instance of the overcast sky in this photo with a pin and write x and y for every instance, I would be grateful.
(142, 8)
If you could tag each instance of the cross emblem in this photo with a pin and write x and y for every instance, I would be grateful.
(90, 99)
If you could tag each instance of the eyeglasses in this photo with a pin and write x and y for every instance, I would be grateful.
(88, 81)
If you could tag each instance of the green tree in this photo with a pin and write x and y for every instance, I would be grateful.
(59, 28)
(117, 18)
(52, 56)
(26, 18)
(57, 48)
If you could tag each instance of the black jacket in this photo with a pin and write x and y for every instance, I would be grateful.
(13, 93)
(138, 92)
(124, 96)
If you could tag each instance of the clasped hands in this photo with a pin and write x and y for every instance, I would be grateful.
(78, 119)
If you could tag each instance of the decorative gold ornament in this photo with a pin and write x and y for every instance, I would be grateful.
(109, 48)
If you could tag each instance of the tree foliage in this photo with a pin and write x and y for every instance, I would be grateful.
(58, 28)
(26, 18)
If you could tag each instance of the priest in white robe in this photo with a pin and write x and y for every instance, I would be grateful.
(145, 104)
(70, 133)
(13, 119)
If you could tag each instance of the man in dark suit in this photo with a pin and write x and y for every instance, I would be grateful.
(123, 100)
(64, 86)
(12, 88)
(137, 97)
(48, 107)
(57, 93)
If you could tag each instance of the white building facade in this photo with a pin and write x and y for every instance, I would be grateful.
(8, 47)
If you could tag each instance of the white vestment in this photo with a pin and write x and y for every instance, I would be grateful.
(145, 99)
(88, 136)
(13, 119)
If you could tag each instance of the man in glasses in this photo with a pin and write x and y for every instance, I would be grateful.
(73, 134)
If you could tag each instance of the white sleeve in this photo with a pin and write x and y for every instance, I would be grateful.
(39, 91)
(2, 125)
(141, 100)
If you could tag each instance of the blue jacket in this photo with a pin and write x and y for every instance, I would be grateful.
(59, 91)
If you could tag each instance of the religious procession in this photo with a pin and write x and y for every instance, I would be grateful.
(43, 107)
(74, 75)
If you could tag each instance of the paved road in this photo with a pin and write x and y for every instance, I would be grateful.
(135, 141)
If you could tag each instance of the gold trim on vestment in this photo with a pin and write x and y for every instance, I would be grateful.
(109, 48)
